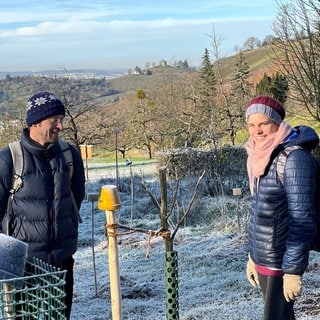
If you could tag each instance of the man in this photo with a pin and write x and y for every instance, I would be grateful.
(283, 217)
(44, 211)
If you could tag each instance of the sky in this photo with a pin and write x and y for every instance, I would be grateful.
(38, 35)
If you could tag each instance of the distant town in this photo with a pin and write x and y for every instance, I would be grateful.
(71, 74)
(96, 73)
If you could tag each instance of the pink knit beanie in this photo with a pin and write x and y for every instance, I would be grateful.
(268, 106)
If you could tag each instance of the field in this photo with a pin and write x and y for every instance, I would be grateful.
(211, 257)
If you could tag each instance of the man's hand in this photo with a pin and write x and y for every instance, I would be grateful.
(292, 286)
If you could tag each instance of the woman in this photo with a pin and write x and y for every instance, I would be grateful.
(283, 218)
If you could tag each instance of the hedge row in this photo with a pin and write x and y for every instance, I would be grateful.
(226, 165)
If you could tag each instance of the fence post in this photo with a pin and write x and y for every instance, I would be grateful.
(93, 197)
(109, 201)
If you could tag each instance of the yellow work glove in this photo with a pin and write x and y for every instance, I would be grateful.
(292, 286)
(252, 273)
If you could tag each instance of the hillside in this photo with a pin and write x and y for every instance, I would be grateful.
(109, 85)
(259, 61)
(95, 89)
(159, 76)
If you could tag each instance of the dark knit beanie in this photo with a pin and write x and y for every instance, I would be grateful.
(43, 105)
(268, 106)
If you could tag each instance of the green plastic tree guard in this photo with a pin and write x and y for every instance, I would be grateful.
(172, 297)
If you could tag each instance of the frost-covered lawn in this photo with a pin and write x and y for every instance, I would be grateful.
(211, 263)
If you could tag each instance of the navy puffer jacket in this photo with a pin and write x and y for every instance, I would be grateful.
(282, 222)
(42, 212)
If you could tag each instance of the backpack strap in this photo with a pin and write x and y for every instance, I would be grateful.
(65, 148)
(67, 155)
(17, 170)
(17, 160)
(282, 158)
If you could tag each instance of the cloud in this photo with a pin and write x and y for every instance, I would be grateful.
(91, 26)
(102, 31)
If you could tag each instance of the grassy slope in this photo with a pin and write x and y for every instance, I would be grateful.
(160, 76)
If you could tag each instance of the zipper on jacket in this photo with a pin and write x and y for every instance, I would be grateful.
(257, 184)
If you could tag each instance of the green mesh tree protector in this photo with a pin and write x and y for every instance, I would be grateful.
(172, 297)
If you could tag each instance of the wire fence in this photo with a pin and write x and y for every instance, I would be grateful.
(39, 294)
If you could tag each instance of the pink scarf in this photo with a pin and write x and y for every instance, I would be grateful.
(258, 158)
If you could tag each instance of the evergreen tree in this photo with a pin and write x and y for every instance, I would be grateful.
(207, 75)
(279, 87)
(275, 86)
(207, 113)
(240, 83)
(263, 87)
(240, 93)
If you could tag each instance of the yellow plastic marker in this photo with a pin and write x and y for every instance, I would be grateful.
(109, 198)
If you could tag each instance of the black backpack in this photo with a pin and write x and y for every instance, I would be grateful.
(281, 161)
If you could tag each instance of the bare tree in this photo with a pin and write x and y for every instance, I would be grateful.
(176, 103)
(228, 117)
(298, 51)
(222, 94)
(252, 43)
(142, 121)
(268, 40)
(11, 125)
